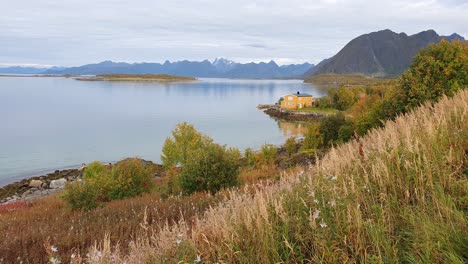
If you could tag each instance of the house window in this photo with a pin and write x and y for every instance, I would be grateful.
(290, 98)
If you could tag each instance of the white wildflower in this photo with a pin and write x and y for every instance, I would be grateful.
(54, 260)
(178, 241)
(333, 178)
(316, 201)
(323, 224)
(332, 203)
(54, 249)
(316, 214)
(198, 259)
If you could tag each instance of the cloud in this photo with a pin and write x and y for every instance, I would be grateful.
(257, 46)
(76, 32)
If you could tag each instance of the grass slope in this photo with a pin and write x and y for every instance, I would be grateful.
(396, 195)
(337, 80)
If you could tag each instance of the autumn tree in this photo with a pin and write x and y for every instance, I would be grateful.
(437, 70)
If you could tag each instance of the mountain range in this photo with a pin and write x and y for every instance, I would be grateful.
(27, 70)
(221, 68)
(381, 53)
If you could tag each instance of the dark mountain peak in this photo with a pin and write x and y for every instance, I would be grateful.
(453, 37)
(426, 35)
(378, 34)
(384, 32)
(377, 53)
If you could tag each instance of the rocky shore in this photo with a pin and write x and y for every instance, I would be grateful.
(289, 115)
(39, 186)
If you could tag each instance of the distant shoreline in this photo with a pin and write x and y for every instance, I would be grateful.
(137, 78)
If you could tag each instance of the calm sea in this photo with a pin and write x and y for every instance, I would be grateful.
(49, 123)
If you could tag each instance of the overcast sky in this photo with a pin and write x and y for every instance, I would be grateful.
(76, 32)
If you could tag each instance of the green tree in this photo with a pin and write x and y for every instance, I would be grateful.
(211, 167)
(185, 138)
(344, 98)
(437, 70)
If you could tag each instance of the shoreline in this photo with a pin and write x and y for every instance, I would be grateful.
(34, 187)
(289, 115)
(49, 183)
(136, 78)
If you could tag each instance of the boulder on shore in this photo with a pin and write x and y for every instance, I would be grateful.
(36, 184)
(56, 184)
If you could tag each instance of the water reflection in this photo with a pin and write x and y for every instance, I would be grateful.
(50, 123)
(292, 129)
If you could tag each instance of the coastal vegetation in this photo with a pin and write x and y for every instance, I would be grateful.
(382, 181)
(138, 77)
(127, 178)
(396, 195)
(347, 80)
(205, 165)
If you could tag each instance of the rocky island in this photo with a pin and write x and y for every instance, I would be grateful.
(137, 78)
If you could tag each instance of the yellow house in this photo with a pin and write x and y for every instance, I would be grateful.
(296, 101)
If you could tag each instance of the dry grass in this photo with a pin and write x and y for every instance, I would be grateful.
(29, 226)
(396, 195)
(249, 175)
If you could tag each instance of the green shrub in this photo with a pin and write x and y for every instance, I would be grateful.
(330, 126)
(312, 139)
(267, 154)
(80, 195)
(345, 132)
(127, 178)
(210, 168)
(291, 146)
(98, 177)
(249, 156)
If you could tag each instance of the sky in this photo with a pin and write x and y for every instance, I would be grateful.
(77, 32)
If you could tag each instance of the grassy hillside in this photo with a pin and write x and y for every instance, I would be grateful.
(398, 194)
(337, 80)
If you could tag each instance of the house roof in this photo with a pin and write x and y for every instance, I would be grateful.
(300, 95)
